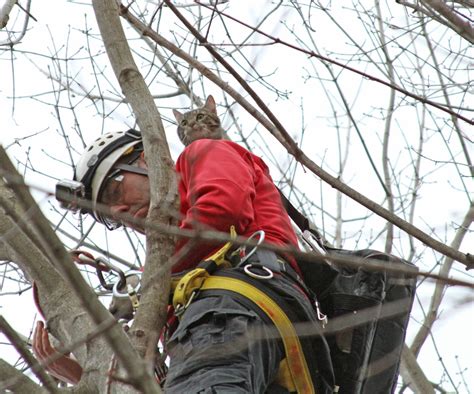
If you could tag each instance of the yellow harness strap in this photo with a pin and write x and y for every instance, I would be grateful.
(293, 373)
(189, 285)
(284, 378)
(295, 360)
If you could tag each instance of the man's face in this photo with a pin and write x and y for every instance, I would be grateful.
(128, 196)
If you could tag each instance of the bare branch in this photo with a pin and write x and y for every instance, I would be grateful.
(62, 262)
(12, 379)
(5, 12)
(15, 40)
(440, 288)
(447, 16)
(14, 338)
(150, 317)
(371, 77)
(282, 135)
(412, 374)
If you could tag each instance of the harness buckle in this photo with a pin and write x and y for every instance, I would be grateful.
(189, 285)
(187, 289)
(219, 256)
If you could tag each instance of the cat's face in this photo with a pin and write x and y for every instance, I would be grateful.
(199, 123)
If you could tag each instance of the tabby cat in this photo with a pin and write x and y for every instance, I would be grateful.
(199, 123)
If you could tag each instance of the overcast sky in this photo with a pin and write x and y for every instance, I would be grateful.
(33, 135)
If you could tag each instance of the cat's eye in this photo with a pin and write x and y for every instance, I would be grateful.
(199, 116)
(184, 122)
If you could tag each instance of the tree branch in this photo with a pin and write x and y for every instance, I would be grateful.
(440, 288)
(19, 345)
(5, 12)
(64, 304)
(12, 379)
(151, 315)
(412, 374)
(459, 25)
(344, 66)
(285, 139)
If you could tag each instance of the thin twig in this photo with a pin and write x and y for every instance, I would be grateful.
(345, 66)
(19, 345)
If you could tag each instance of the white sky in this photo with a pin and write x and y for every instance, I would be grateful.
(60, 22)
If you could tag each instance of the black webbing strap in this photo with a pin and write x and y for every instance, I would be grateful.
(303, 223)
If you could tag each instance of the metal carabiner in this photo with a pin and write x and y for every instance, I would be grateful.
(101, 265)
(121, 285)
(261, 238)
(100, 275)
(321, 316)
(180, 309)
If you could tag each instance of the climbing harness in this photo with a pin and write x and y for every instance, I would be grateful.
(295, 361)
(189, 285)
(247, 282)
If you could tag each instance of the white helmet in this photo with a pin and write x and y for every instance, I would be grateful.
(93, 167)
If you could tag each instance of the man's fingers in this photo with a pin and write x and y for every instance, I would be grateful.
(47, 348)
(64, 368)
(42, 347)
(37, 340)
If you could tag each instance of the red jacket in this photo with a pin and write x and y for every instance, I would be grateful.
(222, 184)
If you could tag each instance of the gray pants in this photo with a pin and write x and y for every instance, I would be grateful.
(223, 346)
(220, 346)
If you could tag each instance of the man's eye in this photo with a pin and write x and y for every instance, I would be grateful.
(184, 123)
(199, 116)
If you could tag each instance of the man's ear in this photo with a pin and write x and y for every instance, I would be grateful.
(210, 104)
(178, 115)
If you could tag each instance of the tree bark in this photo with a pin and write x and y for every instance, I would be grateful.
(18, 382)
(43, 256)
(151, 314)
(413, 375)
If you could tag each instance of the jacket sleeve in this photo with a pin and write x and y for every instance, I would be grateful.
(217, 190)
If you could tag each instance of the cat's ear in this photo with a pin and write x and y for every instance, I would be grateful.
(210, 104)
(178, 115)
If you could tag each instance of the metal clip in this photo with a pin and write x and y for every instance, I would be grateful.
(121, 285)
(180, 309)
(261, 238)
(132, 294)
(313, 242)
(220, 255)
(321, 316)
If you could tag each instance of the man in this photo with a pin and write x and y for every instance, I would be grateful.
(224, 341)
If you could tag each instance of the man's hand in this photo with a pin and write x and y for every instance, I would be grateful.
(64, 368)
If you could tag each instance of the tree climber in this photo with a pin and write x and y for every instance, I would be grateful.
(236, 330)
